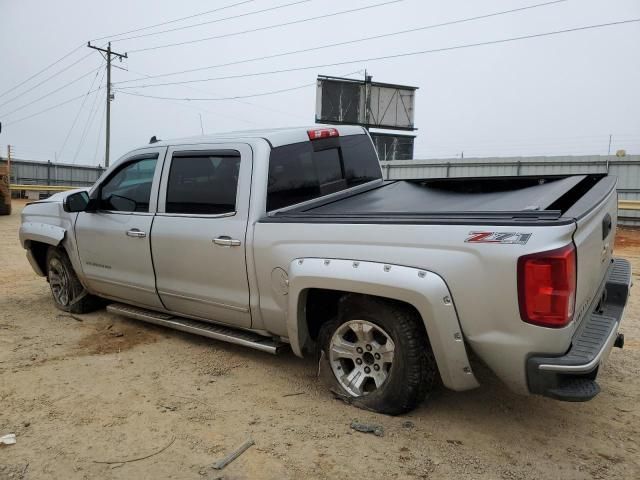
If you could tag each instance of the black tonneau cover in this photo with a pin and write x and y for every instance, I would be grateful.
(427, 197)
(487, 200)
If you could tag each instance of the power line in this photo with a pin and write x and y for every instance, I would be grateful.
(50, 108)
(81, 46)
(200, 109)
(41, 71)
(92, 113)
(46, 79)
(387, 57)
(53, 91)
(348, 42)
(262, 94)
(244, 102)
(110, 36)
(238, 97)
(277, 7)
(268, 27)
(252, 95)
(75, 120)
(172, 21)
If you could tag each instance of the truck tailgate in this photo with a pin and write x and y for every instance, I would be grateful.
(594, 239)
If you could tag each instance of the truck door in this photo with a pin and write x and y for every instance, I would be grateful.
(198, 237)
(113, 241)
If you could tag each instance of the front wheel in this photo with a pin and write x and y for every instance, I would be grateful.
(68, 293)
(379, 354)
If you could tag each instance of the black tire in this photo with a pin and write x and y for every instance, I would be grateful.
(61, 276)
(413, 372)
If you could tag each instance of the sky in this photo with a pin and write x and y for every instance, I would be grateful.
(564, 94)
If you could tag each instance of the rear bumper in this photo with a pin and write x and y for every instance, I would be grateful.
(571, 377)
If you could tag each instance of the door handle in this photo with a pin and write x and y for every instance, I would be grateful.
(136, 233)
(226, 241)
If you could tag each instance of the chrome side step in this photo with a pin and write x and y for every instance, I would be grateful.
(204, 329)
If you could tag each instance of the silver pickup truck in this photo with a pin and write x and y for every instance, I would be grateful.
(291, 238)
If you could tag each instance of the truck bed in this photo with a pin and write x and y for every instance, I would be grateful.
(486, 199)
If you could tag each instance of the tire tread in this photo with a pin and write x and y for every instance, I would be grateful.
(83, 301)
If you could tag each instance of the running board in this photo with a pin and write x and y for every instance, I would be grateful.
(204, 329)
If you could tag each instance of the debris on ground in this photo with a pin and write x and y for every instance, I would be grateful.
(69, 315)
(320, 359)
(220, 464)
(8, 439)
(111, 462)
(377, 430)
(408, 424)
(171, 408)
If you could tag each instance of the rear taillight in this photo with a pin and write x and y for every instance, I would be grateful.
(317, 133)
(547, 287)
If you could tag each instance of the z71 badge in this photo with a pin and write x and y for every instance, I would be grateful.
(498, 237)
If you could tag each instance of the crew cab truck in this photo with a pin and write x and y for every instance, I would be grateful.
(291, 237)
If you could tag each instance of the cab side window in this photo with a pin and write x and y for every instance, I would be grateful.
(129, 189)
(203, 184)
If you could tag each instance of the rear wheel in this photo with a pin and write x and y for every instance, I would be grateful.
(68, 293)
(379, 355)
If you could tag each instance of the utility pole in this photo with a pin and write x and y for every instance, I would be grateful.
(9, 162)
(609, 149)
(108, 53)
(367, 98)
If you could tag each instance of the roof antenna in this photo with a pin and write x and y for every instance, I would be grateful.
(154, 140)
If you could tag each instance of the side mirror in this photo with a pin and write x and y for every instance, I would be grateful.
(76, 202)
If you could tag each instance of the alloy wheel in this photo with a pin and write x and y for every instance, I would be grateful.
(361, 354)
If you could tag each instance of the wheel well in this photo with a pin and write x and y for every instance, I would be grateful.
(39, 252)
(321, 306)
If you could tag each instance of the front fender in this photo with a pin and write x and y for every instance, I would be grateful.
(425, 291)
(41, 232)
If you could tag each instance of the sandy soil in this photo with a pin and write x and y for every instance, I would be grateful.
(99, 388)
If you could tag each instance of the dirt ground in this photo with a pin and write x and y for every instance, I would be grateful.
(85, 396)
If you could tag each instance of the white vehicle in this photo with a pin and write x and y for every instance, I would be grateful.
(292, 237)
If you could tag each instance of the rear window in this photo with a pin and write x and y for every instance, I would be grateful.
(307, 170)
(204, 184)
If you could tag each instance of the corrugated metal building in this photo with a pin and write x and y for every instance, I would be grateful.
(48, 174)
(31, 172)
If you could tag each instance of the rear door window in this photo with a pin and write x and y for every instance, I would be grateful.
(307, 170)
(203, 184)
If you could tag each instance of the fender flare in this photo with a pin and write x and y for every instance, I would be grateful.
(426, 291)
(41, 232)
